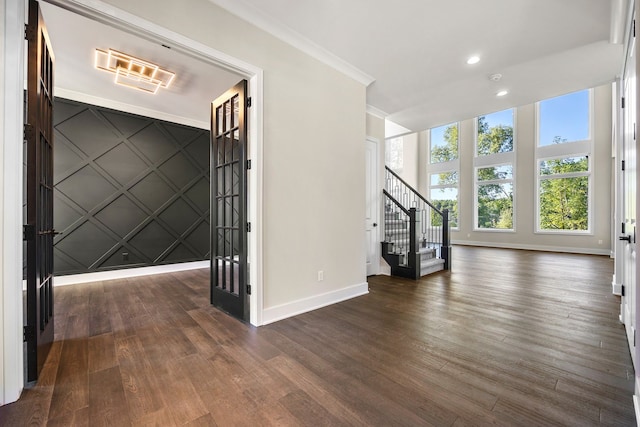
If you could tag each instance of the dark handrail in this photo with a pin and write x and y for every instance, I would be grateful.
(397, 203)
(413, 190)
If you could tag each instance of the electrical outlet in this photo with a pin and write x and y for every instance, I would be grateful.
(599, 242)
(125, 256)
(320, 276)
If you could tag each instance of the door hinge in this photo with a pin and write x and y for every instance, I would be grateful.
(248, 289)
(634, 28)
(28, 132)
(621, 290)
(623, 165)
(248, 164)
(634, 337)
(248, 227)
(623, 228)
(28, 232)
(27, 332)
(249, 102)
(622, 102)
(29, 33)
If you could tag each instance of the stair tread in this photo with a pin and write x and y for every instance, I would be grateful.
(431, 261)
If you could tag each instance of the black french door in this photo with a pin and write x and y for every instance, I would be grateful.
(39, 230)
(229, 227)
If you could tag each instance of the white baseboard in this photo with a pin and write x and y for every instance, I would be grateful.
(283, 311)
(636, 406)
(99, 276)
(565, 249)
(616, 288)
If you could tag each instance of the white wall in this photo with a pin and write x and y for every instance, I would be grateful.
(313, 184)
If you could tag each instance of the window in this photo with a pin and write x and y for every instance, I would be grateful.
(494, 171)
(494, 196)
(564, 119)
(444, 195)
(444, 143)
(563, 165)
(394, 154)
(495, 133)
(564, 194)
(443, 170)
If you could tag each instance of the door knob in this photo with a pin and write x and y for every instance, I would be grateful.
(627, 238)
(375, 225)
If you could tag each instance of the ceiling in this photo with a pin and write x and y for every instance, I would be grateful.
(415, 52)
(187, 100)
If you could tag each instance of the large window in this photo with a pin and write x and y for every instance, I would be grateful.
(444, 195)
(394, 154)
(443, 170)
(494, 171)
(563, 164)
(444, 143)
(564, 119)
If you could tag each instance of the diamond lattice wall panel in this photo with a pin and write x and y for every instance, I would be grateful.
(199, 195)
(86, 244)
(130, 190)
(152, 191)
(86, 187)
(179, 216)
(88, 132)
(121, 216)
(199, 239)
(179, 170)
(122, 164)
(153, 143)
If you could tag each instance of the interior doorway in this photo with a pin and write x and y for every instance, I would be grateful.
(105, 13)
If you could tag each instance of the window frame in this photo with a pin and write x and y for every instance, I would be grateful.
(431, 187)
(567, 149)
(482, 161)
(444, 167)
(430, 148)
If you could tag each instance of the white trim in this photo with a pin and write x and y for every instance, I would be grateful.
(616, 288)
(636, 407)
(277, 29)
(100, 276)
(279, 312)
(541, 248)
(128, 108)
(11, 367)
(375, 111)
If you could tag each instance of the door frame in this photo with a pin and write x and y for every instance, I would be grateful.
(11, 259)
(375, 269)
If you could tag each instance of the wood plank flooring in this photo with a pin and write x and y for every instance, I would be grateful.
(511, 338)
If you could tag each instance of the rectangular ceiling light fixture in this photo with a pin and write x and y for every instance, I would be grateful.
(133, 72)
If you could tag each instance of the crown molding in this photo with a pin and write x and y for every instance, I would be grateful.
(375, 111)
(277, 29)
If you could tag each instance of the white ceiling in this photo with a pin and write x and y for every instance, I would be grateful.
(187, 100)
(414, 50)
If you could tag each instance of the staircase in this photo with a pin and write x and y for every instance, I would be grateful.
(416, 232)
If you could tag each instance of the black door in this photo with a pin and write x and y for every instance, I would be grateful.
(39, 227)
(229, 282)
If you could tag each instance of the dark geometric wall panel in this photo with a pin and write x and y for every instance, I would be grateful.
(129, 190)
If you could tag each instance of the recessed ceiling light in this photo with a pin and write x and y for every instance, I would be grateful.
(502, 93)
(473, 60)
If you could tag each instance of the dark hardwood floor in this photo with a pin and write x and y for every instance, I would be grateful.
(508, 337)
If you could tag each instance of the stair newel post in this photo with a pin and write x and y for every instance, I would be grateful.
(412, 253)
(446, 243)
